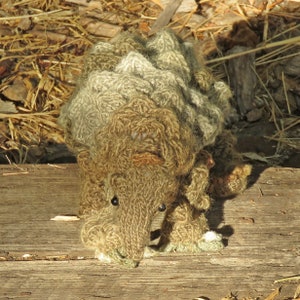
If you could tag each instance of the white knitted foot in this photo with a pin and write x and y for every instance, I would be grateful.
(210, 241)
(102, 257)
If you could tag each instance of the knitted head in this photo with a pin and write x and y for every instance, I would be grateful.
(134, 199)
(141, 155)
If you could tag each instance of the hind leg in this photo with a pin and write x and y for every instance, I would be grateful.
(230, 174)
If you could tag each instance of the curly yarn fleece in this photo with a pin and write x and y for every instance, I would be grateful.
(144, 122)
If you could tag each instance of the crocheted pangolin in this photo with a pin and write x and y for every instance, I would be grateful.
(147, 124)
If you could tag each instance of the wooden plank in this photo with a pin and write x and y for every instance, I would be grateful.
(31, 195)
(262, 227)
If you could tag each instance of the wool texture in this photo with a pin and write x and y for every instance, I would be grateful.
(146, 122)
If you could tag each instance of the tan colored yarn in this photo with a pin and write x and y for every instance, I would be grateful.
(147, 124)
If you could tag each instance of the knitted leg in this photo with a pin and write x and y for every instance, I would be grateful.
(230, 174)
(197, 183)
(232, 183)
(186, 230)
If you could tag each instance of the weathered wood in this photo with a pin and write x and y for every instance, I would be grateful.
(165, 16)
(262, 227)
(243, 80)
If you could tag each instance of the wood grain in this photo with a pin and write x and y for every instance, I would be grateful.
(261, 228)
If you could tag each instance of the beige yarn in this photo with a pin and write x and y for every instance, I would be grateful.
(147, 124)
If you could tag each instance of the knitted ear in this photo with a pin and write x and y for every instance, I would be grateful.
(196, 191)
(146, 158)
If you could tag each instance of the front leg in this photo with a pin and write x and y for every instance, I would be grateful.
(196, 185)
(185, 230)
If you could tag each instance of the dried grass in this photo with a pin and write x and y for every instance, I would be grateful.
(42, 44)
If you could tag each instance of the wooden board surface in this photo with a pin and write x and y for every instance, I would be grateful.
(44, 259)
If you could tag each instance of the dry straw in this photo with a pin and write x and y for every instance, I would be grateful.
(42, 44)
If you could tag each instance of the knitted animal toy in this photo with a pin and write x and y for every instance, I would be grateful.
(147, 124)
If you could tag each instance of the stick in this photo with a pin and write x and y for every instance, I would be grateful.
(31, 16)
(165, 17)
(293, 40)
(288, 279)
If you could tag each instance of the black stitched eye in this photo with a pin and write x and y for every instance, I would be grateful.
(162, 207)
(114, 201)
